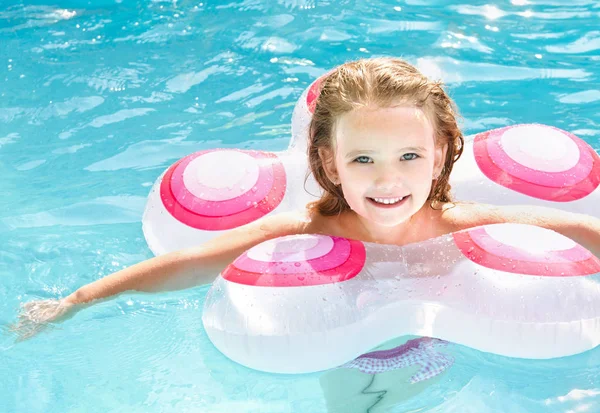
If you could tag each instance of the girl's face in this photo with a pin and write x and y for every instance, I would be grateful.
(385, 160)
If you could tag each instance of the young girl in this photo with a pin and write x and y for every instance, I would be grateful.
(383, 142)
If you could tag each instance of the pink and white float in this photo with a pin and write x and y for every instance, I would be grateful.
(313, 302)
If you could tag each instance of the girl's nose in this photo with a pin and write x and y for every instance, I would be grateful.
(387, 178)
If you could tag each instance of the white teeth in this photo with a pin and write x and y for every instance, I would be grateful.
(387, 201)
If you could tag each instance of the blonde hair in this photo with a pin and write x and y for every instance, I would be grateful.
(383, 82)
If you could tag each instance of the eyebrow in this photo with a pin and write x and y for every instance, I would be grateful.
(368, 151)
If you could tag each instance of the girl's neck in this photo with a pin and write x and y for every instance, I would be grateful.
(422, 225)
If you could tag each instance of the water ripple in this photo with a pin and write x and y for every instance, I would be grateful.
(245, 92)
(275, 22)
(460, 41)
(160, 33)
(455, 71)
(119, 116)
(587, 43)
(283, 93)
(488, 11)
(185, 81)
(275, 44)
(381, 26)
(587, 96)
(145, 155)
(102, 210)
(549, 35)
(10, 138)
(333, 35)
(54, 109)
(34, 16)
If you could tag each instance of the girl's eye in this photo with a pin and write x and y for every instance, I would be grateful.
(362, 159)
(409, 156)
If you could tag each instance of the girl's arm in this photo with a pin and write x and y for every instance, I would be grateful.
(172, 271)
(581, 228)
(193, 266)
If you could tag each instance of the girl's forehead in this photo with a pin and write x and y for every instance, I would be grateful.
(362, 125)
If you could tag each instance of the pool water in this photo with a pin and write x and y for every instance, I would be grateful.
(98, 97)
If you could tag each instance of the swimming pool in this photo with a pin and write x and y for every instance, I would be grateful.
(98, 97)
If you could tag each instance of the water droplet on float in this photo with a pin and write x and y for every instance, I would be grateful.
(254, 189)
(301, 278)
(297, 264)
(471, 249)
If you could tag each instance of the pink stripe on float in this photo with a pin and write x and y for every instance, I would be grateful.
(562, 179)
(246, 179)
(556, 267)
(313, 94)
(205, 207)
(287, 249)
(344, 272)
(336, 257)
(210, 223)
(493, 246)
(503, 178)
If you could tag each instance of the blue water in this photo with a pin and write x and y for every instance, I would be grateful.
(98, 97)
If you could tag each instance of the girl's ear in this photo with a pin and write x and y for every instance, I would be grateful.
(328, 160)
(440, 160)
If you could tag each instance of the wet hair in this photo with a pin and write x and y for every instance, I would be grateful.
(380, 82)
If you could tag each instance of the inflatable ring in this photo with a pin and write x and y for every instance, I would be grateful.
(289, 305)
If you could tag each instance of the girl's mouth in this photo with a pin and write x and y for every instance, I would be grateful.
(388, 202)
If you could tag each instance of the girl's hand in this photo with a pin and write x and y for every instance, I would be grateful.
(35, 316)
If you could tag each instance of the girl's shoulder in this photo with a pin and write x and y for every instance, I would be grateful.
(287, 223)
(296, 222)
(462, 215)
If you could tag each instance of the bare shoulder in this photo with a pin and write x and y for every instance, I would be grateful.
(284, 223)
(237, 240)
(463, 215)
(301, 221)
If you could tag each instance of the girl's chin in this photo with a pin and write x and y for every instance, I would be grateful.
(390, 221)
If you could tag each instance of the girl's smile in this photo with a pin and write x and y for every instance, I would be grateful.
(388, 202)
